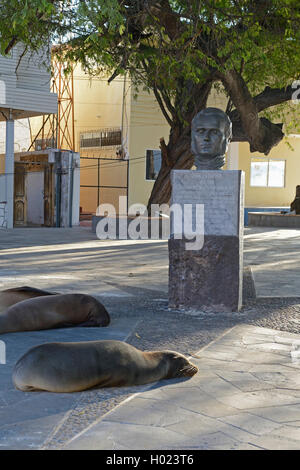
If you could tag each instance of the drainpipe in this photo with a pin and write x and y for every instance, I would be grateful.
(71, 191)
(123, 139)
(122, 116)
(58, 192)
(10, 169)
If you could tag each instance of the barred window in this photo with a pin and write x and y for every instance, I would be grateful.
(101, 138)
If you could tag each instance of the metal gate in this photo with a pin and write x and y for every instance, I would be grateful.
(102, 180)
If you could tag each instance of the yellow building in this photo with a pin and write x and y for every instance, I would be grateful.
(99, 124)
(137, 124)
(117, 133)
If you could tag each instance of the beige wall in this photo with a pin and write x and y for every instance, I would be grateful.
(217, 99)
(147, 125)
(2, 164)
(270, 197)
(97, 104)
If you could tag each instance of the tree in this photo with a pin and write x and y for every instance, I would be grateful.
(181, 50)
(35, 23)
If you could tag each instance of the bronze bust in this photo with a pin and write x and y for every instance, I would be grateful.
(211, 134)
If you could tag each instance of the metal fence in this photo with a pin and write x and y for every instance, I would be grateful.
(97, 165)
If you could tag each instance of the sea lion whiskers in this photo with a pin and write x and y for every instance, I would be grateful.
(187, 371)
(177, 365)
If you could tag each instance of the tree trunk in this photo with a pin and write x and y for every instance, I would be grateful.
(176, 155)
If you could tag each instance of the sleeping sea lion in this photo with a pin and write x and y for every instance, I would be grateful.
(73, 367)
(14, 295)
(54, 311)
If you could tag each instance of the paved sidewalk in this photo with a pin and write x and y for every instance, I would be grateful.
(131, 279)
(72, 259)
(245, 396)
(26, 418)
(274, 257)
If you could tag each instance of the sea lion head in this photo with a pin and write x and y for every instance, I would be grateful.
(101, 312)
(97, 311)
(178, 365)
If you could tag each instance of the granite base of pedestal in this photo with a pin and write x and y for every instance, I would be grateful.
(209, 279)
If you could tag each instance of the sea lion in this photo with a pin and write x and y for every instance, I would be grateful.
(14, 295)
(53, 311)
(295, 205)
(73, 367)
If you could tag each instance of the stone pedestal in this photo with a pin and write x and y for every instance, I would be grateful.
(208, 278)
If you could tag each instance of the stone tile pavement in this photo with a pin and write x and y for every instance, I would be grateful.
(273, 255)
(73, 258)
(27, 419)
(245, 396)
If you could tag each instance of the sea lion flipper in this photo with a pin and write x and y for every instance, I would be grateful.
(89, 323)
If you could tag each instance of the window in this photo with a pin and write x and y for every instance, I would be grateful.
(153, 164)
(101, 138)
(267, 172)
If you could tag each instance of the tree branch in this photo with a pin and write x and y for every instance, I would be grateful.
(11, 44)
(262, 135)
(273, 96)
(266, 99)
(167, 101)
(164, 152)
(161, 105)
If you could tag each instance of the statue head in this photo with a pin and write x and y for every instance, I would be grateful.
(211, 134)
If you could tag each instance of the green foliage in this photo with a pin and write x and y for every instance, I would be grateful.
(173, 46)
(30, 22)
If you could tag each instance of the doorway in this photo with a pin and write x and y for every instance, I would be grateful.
(34, 190)
(33, 194)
